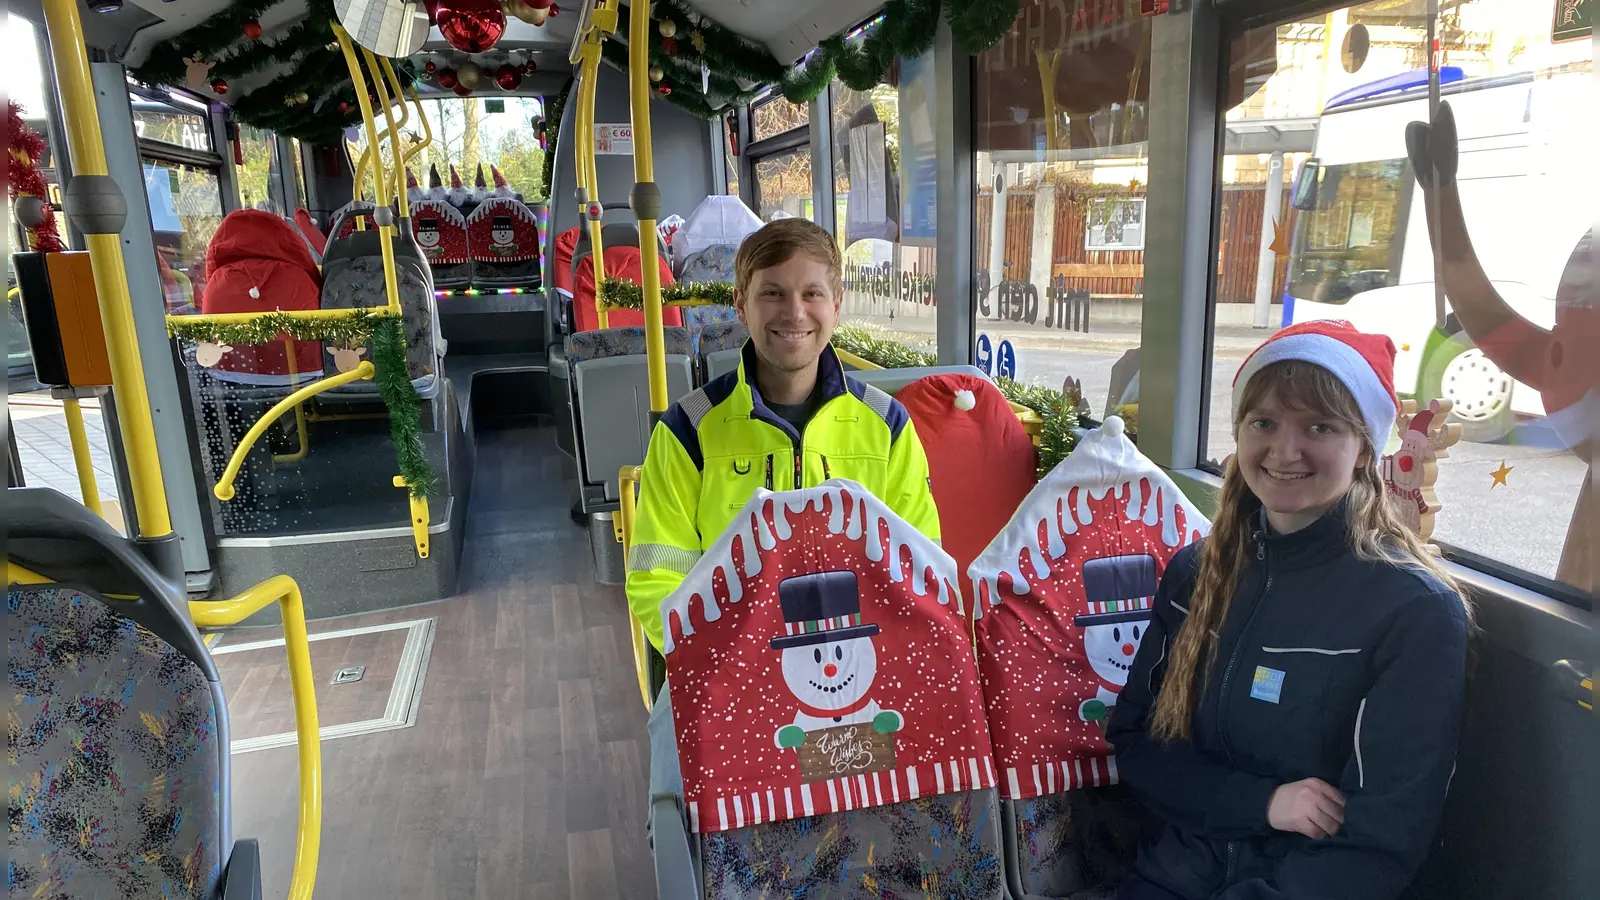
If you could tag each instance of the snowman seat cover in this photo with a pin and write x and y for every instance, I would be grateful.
(820, 658)
(441, 232)
(503, 236)
(1064, 593)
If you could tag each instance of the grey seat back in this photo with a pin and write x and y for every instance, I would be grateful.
(120, 736)
(611, 381)
(891, 381)
(720, 346)
(353, 277)
(1078, 843)
(891, 847)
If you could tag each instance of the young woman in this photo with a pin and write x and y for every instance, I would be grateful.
(1292, 713)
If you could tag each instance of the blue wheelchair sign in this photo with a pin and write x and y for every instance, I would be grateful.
(1005, 361)
(983, 354)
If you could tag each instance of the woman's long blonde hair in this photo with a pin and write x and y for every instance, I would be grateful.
(1376, 534)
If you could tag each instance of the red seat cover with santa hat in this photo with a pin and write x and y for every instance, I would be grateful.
(821, 660)
(1063, 597)
(257, 262)
(981, 463)
(624, 263)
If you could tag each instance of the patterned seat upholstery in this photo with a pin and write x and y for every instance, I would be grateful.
(117, 755)
(949, 844)
(723, 336)
(714, 263)
(1076, 844)
(353, 277)
(627, 340)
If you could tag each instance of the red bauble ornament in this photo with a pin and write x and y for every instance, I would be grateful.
(508, 77)
(432, 8)
(530, 67)
(430, 67)
(344, 107)
(471, 26)
(664, 90)
(446, 78)
(670, 45)
(555, 10)
(462, 90)
(252, 30)
(218, 86)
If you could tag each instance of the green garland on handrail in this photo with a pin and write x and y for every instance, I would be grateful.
(1059, 417)
(383, 332)
(618, 294)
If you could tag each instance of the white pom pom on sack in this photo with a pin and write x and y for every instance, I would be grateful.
(965, 400)
(1113, 426)
(255, 293)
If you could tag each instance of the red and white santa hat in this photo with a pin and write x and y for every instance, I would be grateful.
(1363, 363)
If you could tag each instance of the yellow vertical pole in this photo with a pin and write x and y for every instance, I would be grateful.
(80, 455)
(588, 175)
(380, 189)
(68, 50)
(646, 199)
(398, 172)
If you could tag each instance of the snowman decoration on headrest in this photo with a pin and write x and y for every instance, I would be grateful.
(503, 236)
(428, 234)
(828, 658)
(1119, 590)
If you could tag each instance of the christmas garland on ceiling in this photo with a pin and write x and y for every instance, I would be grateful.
(704, 68)
(388, 342)
(313, 98)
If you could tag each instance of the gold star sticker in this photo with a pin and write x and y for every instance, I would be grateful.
(1280, 239)
(1499, 475)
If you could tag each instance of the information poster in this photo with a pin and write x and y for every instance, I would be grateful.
(918, 152)
(613, 140)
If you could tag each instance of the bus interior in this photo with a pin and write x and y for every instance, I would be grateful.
(338, 385)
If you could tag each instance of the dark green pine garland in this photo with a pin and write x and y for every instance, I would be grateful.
(387, 338)
(552, 123)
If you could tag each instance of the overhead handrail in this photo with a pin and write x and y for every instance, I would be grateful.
(283, 590)
(224, 488)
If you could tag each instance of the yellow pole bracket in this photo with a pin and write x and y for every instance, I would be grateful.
(419, 517)
(224, 488)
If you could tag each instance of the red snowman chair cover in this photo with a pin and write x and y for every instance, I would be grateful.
(821, 665)
(441, 232)
(504, 237)
(1063, 596)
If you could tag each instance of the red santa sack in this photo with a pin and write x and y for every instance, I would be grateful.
(258, 262)
(981, 463)
(624, 263)
(1063, 597)
(821, 660)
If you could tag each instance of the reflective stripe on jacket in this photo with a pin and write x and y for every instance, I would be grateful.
(716, 446)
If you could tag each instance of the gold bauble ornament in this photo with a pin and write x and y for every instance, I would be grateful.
(668, 28)
(656, 74)
(468, 75)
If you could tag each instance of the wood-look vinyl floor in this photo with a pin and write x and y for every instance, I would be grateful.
(526, 772)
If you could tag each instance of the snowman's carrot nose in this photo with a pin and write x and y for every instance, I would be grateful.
(830, 670)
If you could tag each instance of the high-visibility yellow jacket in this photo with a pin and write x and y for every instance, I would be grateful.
(714, 448)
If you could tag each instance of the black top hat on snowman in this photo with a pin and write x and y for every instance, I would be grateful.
(820, 608)
(1119, 589)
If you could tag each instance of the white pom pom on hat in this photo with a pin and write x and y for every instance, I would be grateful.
(965, 400)
(255, 293)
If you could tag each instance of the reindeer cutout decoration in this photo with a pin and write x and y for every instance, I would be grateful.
(1410, 472)
(197, 72)
(345, 359)
(208, 353)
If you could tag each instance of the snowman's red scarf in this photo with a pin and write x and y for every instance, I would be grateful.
(817, 713)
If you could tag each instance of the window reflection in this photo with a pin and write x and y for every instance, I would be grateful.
(259, 184)
(783, 185)
(185, 210)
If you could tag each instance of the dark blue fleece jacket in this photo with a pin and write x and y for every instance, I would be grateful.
(1327, 667)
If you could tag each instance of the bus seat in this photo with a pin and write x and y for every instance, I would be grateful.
(1064, 618)
(504, 237)
(610, 379)
(120, 732)
(256, 262)
(353, 277)
(879, 777)
(721, 344)
(441, 232)
(713, 264)
(981, 463)
(344, 220)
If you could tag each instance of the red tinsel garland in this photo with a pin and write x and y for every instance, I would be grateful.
(24, 180)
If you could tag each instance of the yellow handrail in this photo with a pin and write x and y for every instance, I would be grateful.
(299, 412)
(308, 734)
(854, 361)
(224, 488)
(419, 518)
(627, 478)
(304, 314)
(68, 50)
(80, 455)
(381, 190)
(392, 131)
(644, 178)
(587, 177)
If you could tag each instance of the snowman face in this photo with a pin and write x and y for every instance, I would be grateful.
(1407, 472)
(428, 233)
(1111, 649)
(833, 675)
(502, 236)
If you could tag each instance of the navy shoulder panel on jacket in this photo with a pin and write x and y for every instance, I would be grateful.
(887, 407)
(681, 423)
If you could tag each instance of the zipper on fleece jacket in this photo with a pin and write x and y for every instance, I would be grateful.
(1239, 644)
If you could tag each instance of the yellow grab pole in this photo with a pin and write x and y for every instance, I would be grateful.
(224, 488)
(588, 185)
(393, 132)
(380, 190)
(646, 200)
(68, 50)
(80, 455)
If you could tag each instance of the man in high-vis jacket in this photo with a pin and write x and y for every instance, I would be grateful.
(787, 418)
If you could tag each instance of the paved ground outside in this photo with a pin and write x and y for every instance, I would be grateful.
(46, 452)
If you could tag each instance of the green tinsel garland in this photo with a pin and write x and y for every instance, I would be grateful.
(387, 337)
(553, 112)
(1059, 418)
(619, 294)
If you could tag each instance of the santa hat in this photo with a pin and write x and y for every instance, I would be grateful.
(1363, 363)
(455, 178)
(411, 179)
(499, 180)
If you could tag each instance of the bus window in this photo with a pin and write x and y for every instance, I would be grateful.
(260, 185)
(1351, 241)
(775, 116)
(185, 210)
(783, 185)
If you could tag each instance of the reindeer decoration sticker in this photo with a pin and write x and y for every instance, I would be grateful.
(1064, 595)
(821, 660)
(1410, 472)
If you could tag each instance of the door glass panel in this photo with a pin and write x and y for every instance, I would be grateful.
(185, 210)
(783, 185)
(260, 186)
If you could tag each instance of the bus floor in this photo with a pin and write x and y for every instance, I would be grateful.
(524, 774)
